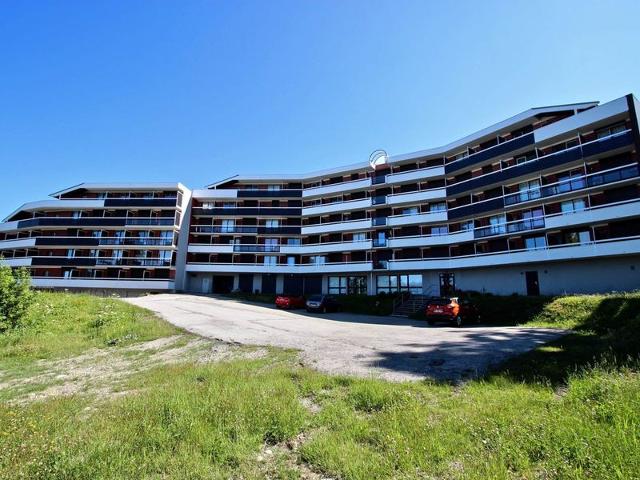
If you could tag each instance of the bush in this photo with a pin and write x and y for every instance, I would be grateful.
(15, 296)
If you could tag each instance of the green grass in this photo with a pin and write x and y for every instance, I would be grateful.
(549, 414)
(63, 324)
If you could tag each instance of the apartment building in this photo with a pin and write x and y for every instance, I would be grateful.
(99, 236)
(547, 201)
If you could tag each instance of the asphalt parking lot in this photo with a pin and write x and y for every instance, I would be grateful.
(342, 343)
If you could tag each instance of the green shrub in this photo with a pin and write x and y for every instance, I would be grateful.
(15, 296)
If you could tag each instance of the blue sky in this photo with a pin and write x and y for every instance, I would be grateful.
(195, 91)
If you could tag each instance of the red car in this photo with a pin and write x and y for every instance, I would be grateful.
(290, 301)
(452, 310)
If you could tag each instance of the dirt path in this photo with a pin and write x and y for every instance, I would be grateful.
(103, 371)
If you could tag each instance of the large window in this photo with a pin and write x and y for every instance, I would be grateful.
(347, 285)
(438, 207)
(533, 243)
(272, 223)
(228, 226)
(399, 283)
(572, 206)
(270, 260)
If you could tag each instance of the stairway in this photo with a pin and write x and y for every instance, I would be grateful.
(410, 306)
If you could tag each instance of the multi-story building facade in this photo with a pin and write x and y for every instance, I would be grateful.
(99, 236)
(547, 201)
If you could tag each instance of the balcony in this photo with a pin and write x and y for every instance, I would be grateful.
(476, 208)
(98, 261)
(397, 220)
(574, 184)
(498, 150)
(248, 211)
(349, 205)
(337, 188)
(331, 247)
(256, 248)
(337, 226)
(431, 240)
(102, 241)
(594, 215)
(418, 196)
(571, 251)
(260, 230)
(412, 175)
(140, 202)
(580, 152)
(283, 193)
(510, 227)
(348, 267)
(17, 243)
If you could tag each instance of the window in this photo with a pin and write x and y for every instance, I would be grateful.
(318, 260)
(165, 255)
(497, 223)
(71, 253)
(467, 226)
(117, 254)
(273, 188)
(570, 181)
(533, 218)
(439, 230)
(578, 237)
(272, 223)
(410, 211)
(291, 261)
(347, 285)
(228, 226)
(76, 214)
(438, 207)
(96, 234)
(229, 205)
(572, 206)
(359, 237)
(293, 241)
(208, 205)
(533, 243)
(399, 283)
(529, 190)
(93, 253)
(271, 245)
(270, 260)
(605, 132)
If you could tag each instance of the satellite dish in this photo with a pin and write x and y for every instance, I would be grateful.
(377, 158)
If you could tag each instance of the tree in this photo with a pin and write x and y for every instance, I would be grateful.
(15, 296)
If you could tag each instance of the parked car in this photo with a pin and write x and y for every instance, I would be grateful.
(290, 301)
(322, 303)
(452, 310)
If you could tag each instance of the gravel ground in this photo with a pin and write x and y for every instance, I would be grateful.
(341, 343)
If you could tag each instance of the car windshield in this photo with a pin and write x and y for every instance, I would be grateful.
(315, 298)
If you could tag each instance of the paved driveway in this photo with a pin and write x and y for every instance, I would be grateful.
(342, 343)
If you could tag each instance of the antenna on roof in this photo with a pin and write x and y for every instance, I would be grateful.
(378, 157)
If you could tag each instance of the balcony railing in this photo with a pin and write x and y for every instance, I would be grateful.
(98, 261)
(571, 154)
(256, 248)
(261, 230)
(510, 227)
(101, 241)
(574, 184)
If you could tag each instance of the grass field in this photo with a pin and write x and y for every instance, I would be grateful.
(570, 409)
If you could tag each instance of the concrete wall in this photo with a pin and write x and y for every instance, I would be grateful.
(582, 276)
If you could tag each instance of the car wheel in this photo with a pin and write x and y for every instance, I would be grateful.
(458, 321)
(324, 309)
(431, 322)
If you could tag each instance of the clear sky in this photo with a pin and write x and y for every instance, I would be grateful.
(195, 91)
